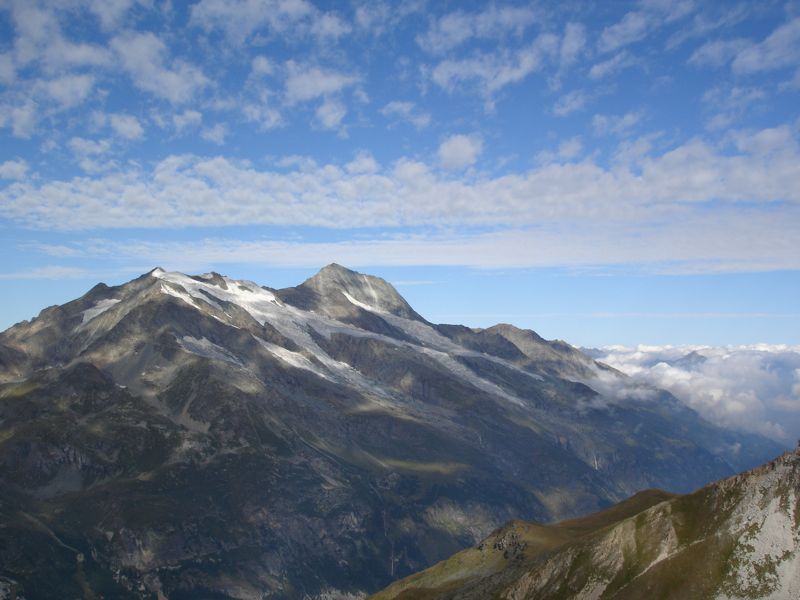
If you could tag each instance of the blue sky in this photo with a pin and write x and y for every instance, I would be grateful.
(601, 172)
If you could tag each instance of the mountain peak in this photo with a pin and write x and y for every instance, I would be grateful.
(365, 291)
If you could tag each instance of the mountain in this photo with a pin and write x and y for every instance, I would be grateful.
(199, 436)
(737, 538)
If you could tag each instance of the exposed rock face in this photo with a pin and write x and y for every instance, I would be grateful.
(738, 538)
(207, 437)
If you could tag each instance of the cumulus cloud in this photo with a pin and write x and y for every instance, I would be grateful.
(215, 134)
(637, 24)
(618, 62)
(248, 21)
(632, 28)
(779, 50)
(146, 58)
(493, 71)
(753, 388)
(13, 169)
(407, 111)
(126, 126)
(616, 124)
(330, 113)
(186, 119)
(459, 151)
(570, 103)
(675, 186)
(239, 19)
(717, 52)
(455, 28)
(306, 82)
(567, 150)
(87, 147)
(67, 91)
(573, 43)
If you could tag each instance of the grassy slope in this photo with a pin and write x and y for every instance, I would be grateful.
(519, 542)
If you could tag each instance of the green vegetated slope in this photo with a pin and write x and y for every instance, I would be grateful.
(737, 538)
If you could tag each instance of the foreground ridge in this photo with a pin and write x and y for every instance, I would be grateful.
(736, 538)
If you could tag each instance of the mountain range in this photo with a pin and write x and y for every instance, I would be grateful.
(199, 436)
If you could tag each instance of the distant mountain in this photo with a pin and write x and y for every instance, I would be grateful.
(737, 538)
(198, 436)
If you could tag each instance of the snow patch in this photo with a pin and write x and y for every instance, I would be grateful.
(294, 359)
(362, 305)
(205, 348)
(98, 309)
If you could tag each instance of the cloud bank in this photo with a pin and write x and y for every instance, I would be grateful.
(753, 388)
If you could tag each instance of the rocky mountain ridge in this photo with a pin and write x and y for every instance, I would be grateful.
(736, 538)
(200, 435)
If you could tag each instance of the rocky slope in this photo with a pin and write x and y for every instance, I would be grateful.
(205, 437)
(737, 538)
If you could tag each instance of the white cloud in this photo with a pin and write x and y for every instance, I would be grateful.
(456, 28)
(262, 113)
(215, 134)
(86, 147)
(13, 169)
(22, 118)
(569, 103)
(696, 245)
(378, 16)
(330, 113)
(573, 43)
(126, 126)
(110, 13)
(362, 163)
(243, 21)
(567, 150)
(731, 102)
(305, 82)
(492, 72)
(637, 24)
(717, 52)
(239, 19)
(459, 151)
(571, 148)
(328, 26)
(754, 388)
(654, 213)
(407, 111)
(616, 124)
(632, 28)
(8, 72)
(188, 118)
(40, 39)
(715, 16)
(48, 272)
(779, 50)
(616, 63)
(146, 59)
(67, 91)
(261, 65)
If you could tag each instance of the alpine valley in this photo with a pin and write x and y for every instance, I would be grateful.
(202, 437)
